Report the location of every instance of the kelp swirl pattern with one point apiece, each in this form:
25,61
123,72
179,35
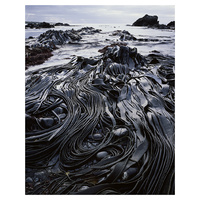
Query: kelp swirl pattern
101,126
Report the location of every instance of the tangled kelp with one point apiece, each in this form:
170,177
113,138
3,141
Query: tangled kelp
101,126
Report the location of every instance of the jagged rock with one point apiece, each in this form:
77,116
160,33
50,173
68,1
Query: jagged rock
154,61
160,26
171,24
51,38
88,30
124,35
147,20
152,22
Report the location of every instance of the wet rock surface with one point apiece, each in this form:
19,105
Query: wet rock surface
39,49
39,25
61,24
147,20
102,125
152,22
124,35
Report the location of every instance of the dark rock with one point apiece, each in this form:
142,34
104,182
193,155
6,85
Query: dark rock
38,25
58,110
124,35
61,24
127,36
29,180
40,175
155,51
147,20
160,26
45,25
101,155
171,24
29,122
97,136
41,49
47,122
152,22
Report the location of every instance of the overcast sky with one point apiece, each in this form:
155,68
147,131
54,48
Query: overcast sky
93,14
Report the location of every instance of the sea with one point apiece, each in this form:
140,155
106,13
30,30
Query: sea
89,45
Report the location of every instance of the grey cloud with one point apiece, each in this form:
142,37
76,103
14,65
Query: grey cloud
96,14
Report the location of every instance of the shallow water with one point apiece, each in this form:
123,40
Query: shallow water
90,44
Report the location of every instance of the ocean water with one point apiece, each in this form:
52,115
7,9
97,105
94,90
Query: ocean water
89,45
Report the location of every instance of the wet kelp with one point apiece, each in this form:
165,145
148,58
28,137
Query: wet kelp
103,125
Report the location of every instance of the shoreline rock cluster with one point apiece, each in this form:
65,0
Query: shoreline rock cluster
38,25
39,49
152,22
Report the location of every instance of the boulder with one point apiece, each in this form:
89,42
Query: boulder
45,25
61,24
147,20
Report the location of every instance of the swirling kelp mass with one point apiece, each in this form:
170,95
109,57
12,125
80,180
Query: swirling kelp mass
101,126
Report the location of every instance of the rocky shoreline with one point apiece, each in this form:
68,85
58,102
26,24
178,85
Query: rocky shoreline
103,124
39,49
152,22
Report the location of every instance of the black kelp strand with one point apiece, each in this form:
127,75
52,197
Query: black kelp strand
101,126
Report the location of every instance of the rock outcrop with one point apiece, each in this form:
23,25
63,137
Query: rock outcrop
88,30
147,20
39,25
152,22
171,24
61,24
124,35
40,48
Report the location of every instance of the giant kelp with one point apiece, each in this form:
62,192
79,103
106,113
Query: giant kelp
103,125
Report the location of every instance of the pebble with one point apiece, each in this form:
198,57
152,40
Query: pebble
129,173
97,136
58,110
29,180
101,155
47,122
40,175
120,132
